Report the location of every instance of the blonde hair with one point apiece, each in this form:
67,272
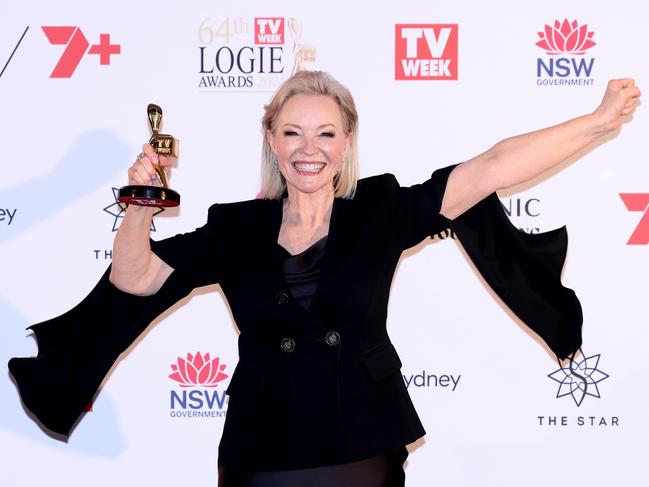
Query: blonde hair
273,184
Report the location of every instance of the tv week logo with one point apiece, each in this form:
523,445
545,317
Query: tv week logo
269,30
638,202
76,46
426,52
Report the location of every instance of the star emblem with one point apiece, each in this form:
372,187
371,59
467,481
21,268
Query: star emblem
117,209
579,379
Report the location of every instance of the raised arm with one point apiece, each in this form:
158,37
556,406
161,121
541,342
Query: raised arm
518,159
135,268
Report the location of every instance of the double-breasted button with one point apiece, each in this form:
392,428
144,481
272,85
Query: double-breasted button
332,338
281,297
288,345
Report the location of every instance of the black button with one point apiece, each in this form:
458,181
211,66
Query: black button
282,297
332,338
288,345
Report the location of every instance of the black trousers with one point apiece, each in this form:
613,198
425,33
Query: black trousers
384,470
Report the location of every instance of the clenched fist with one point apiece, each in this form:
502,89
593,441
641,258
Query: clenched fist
619,101
143,172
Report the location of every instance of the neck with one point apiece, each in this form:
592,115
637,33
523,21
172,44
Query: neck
308,209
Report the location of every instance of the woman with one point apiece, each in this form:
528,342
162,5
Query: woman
317,397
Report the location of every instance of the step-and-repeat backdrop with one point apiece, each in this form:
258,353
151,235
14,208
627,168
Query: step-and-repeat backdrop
435,83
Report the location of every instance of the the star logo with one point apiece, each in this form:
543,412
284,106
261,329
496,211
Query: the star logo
579,379
117,209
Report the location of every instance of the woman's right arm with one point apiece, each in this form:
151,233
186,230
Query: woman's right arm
135,268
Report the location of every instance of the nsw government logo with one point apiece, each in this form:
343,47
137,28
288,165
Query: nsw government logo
565,44
425,51
197,377
255,54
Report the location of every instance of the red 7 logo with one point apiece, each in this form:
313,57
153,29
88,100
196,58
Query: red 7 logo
638,202
77,44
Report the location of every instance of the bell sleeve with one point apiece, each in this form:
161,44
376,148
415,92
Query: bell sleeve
77,349
523,269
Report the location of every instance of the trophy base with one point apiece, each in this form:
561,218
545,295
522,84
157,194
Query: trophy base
148,196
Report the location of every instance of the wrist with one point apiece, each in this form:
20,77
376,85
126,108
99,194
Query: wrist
600,123
137,216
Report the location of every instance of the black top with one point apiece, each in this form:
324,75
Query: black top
302,270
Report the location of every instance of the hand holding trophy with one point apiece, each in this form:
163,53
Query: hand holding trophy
163,144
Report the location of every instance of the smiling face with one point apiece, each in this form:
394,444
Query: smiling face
309,142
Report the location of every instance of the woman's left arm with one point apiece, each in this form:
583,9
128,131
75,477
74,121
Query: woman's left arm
518,159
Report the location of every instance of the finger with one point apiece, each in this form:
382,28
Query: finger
627,110
148,166
165,161
144,176
626,83
138,175
150,153
631,92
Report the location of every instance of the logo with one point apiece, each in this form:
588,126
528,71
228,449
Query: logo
117,209
432,381
198,377
566,38
198,371
269,31
243,54
76,46
426,52
523,208
579,379
444,234
14,51
638,202
565,43
7,215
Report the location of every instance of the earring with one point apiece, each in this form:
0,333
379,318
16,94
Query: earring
343,159
273,158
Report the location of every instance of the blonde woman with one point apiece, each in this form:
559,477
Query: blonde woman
317,397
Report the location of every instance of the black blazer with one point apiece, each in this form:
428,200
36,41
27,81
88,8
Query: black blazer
316,387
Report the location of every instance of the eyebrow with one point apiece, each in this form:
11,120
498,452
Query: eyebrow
319,127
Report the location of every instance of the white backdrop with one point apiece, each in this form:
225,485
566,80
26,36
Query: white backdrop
479,380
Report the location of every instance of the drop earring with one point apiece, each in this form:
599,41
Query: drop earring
273,158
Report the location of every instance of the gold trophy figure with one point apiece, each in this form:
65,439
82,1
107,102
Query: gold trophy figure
158,196
302,54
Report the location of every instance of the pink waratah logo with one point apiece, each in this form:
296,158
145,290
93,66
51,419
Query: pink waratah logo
566,38
198,370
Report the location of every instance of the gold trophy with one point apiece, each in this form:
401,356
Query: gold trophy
158,196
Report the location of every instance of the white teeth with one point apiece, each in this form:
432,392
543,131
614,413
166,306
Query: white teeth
308,166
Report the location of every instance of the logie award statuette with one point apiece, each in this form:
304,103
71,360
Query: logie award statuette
158,196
